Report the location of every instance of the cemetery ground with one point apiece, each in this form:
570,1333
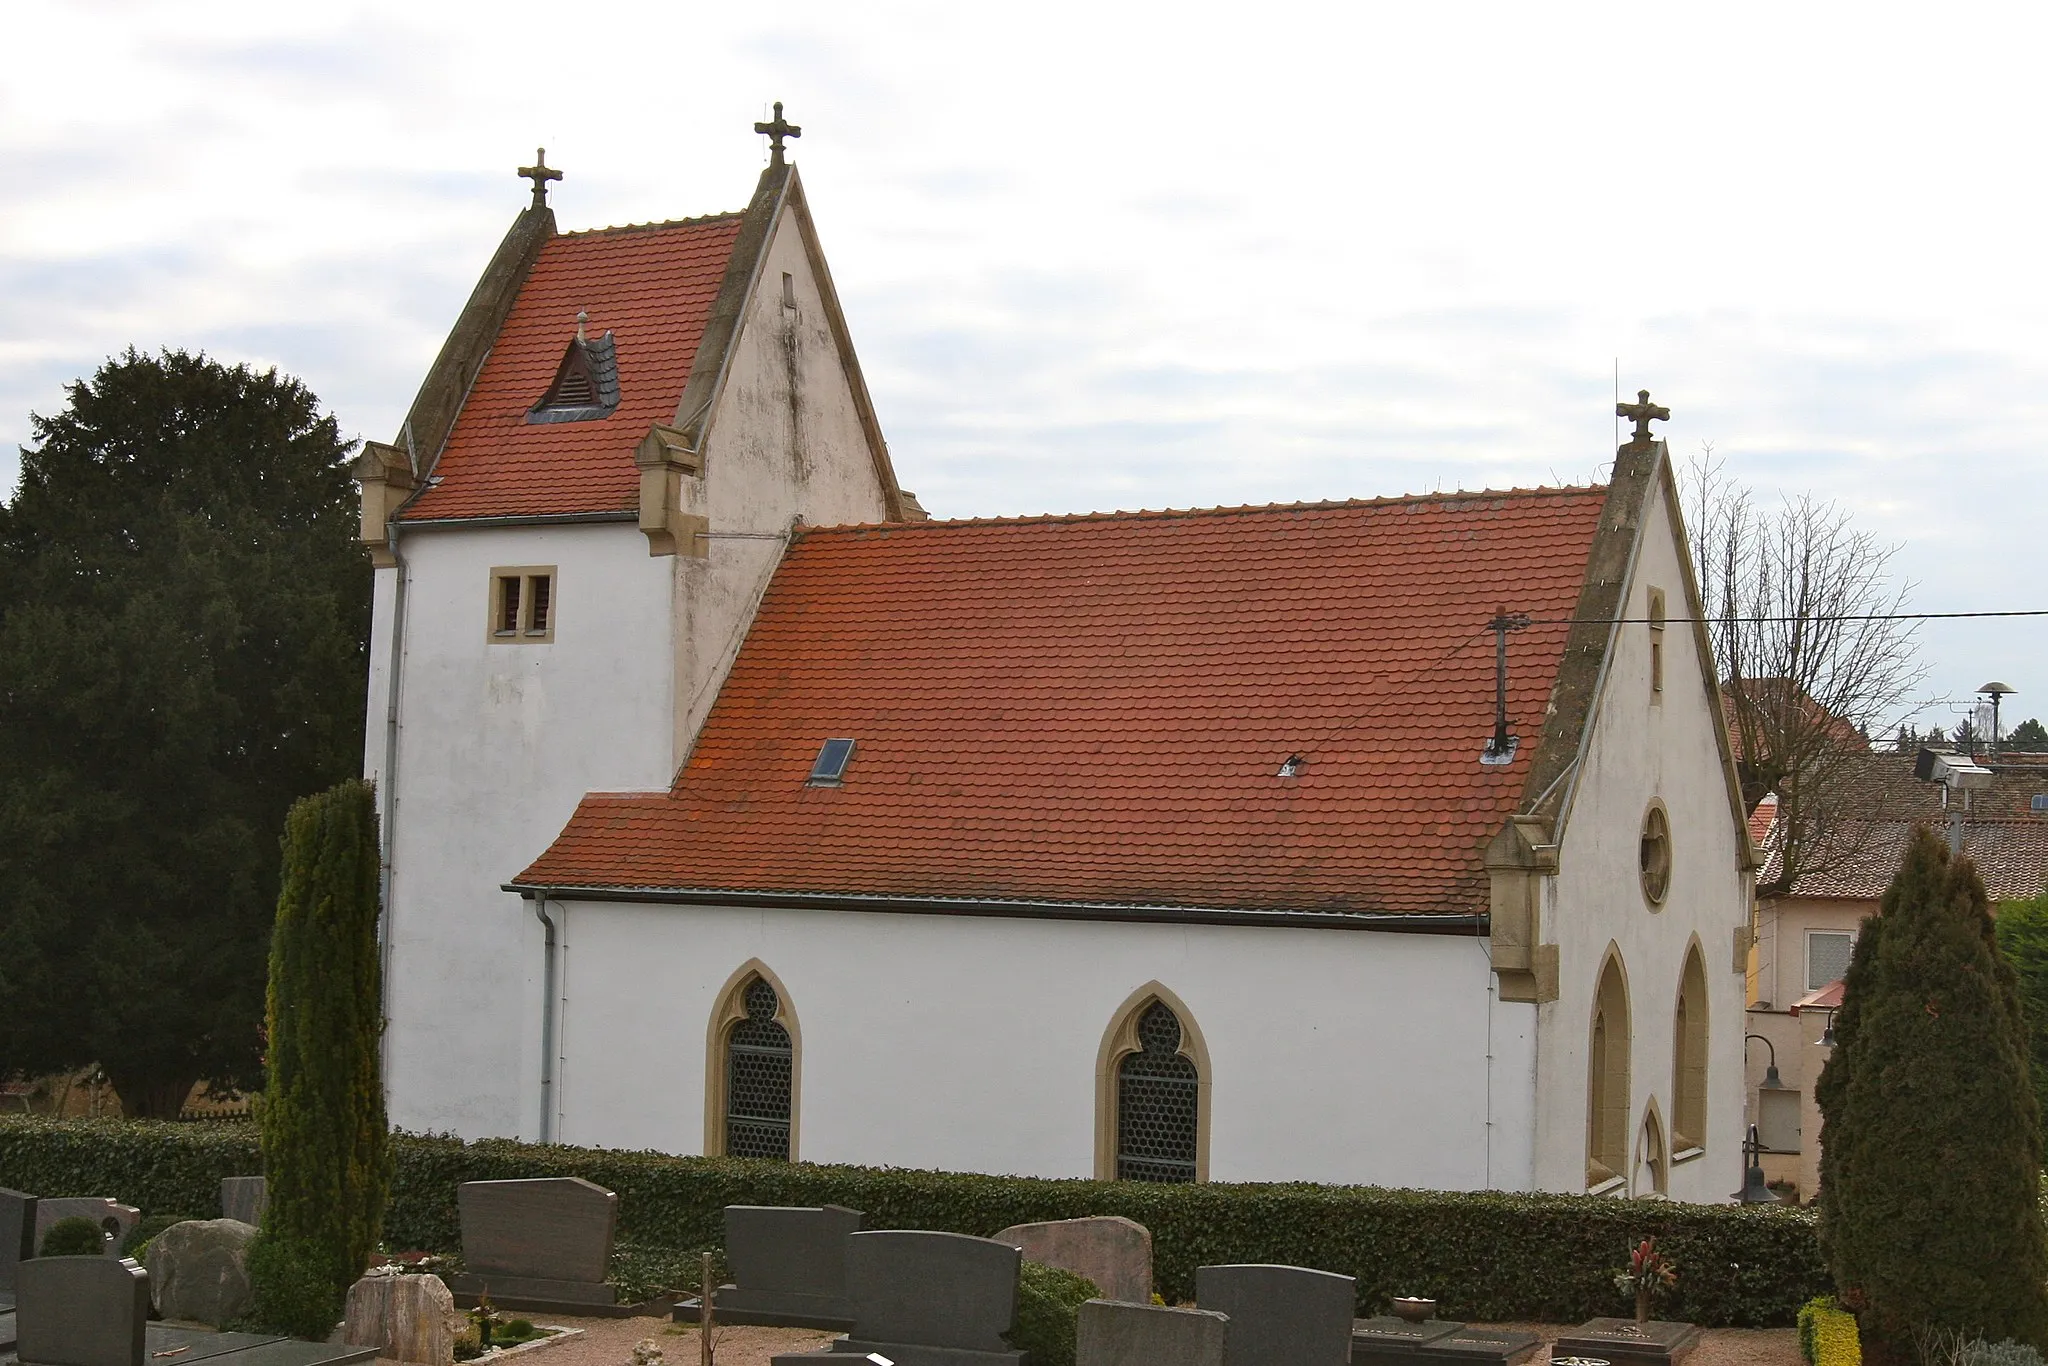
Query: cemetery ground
609,1342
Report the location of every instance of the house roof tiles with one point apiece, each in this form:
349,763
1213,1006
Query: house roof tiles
652,287
1096,709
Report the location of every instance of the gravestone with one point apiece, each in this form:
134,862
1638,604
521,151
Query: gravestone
199,1270
1624,1342
788,1268
412,1319
927,1299
536,1244
1393,1341
1112,1333
17,1238
115,1219
1281,1315
244,1198
81,1311
1113,1252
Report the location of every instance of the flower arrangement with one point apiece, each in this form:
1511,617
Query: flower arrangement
1649,1273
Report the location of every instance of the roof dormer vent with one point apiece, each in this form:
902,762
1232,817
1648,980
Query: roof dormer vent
586,383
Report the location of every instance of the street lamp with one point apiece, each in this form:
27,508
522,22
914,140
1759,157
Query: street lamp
1754,1189
1995,691
1771,1082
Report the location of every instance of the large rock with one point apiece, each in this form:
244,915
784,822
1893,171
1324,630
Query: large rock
199,1270
411,1319
1113,1252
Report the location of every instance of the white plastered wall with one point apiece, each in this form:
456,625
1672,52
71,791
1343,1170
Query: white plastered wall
497,742
970,1043
1644,746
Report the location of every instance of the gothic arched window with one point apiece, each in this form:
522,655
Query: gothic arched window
1158,1100
1689,1057
1607,1080
758,1069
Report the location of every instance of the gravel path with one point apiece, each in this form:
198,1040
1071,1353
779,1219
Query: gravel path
609,1342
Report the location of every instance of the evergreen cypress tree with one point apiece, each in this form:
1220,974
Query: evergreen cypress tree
1931,1158
326,1148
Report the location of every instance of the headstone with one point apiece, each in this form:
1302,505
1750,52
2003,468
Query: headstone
1628,1343
81,1311
927,1299
1395,1342
244,1198
17,1237
115,1219
1113,1252
199,1270
411,1319
1110,1333
788,1268
1281,1315
538,1243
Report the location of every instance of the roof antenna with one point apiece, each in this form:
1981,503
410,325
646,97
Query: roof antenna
1500,750
582,317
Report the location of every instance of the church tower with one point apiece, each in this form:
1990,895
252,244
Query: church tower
598,476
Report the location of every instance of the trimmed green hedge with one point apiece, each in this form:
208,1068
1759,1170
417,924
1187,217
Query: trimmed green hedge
1485,1257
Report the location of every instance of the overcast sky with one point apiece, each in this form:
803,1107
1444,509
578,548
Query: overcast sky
1116,255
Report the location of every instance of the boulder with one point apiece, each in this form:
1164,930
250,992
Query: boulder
410,1319
199,1270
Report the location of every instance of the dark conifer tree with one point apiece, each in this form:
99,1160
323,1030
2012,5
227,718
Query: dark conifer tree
1931,1158
326,1148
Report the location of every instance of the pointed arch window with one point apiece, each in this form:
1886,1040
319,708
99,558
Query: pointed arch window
1153,1093
1653,1164
1689,1058
751,1070
1607,1081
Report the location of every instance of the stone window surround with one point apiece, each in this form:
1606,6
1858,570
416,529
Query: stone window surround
1119,1041
523,634
1608,1078
1656,878
730,1010
1689,1061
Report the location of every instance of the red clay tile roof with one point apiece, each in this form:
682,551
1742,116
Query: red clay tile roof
2011,855
652,287
1095,709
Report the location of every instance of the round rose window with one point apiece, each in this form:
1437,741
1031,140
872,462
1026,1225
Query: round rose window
1656,855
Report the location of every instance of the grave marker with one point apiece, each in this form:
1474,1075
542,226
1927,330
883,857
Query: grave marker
1625,1342
1113,1333
537,1243
1281,1315
788,1268
927,1299
1113,1252
81,1311
115,1219
17,1238
1396,1342
244,1198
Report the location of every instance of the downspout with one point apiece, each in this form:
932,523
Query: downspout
547,1018
387,793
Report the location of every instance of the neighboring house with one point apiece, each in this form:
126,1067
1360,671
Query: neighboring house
1166,846
1805,936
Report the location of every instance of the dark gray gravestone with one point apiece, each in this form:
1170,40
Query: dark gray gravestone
544,1243
1281,1315
243,1198
81,1311
1627,1343
115,1219
927,1299
1110,1333
788,1268
17,1237
1395,1342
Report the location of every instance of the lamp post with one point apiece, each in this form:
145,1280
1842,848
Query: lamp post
1755,1191
1771,1081
1995,691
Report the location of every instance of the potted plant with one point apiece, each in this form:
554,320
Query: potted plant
1649,1272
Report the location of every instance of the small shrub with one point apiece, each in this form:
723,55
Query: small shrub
1049,1303
73,1237
294,1293
2007,1353
1827,1333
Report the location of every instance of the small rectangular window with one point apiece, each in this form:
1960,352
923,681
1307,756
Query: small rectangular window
1656,642
831,764
1827,957
523,604
788,290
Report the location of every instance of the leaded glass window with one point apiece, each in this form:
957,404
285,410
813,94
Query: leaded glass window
757,1075
1157,1093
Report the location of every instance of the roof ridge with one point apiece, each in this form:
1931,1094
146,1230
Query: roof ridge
1223,510
653,226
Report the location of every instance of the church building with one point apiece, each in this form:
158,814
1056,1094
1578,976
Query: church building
733,806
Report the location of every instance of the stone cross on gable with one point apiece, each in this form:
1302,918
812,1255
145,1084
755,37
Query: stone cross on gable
540,173
778,130
1642,412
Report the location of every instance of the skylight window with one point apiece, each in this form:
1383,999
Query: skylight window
831,764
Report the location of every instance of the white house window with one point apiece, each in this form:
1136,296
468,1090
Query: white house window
1827,957
1158,1090
523,604
758,1060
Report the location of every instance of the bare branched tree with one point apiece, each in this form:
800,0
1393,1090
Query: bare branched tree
1796,602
